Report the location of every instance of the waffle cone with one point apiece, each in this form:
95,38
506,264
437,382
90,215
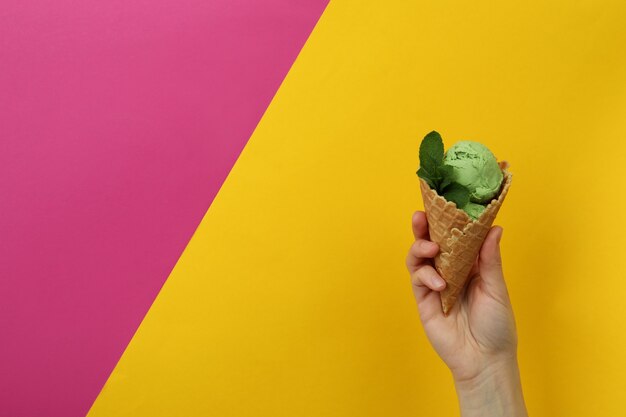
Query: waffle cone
458,236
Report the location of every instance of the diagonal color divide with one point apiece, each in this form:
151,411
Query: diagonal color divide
292,298
119,121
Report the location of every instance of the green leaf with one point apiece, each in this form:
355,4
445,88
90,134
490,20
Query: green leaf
444,183
423,174
447,175
456,193
431,151
432,167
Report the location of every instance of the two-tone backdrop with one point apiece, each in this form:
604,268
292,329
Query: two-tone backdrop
205,206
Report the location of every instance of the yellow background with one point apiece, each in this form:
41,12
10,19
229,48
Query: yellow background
292,298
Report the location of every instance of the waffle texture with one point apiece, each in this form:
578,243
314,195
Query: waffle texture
458,236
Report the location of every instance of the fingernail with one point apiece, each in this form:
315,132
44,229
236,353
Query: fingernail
500,234
428,245
438,283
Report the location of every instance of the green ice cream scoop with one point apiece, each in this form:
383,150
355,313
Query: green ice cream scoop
473,210
475,167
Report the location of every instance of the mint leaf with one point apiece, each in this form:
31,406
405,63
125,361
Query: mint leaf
423,174
431,165
439,177
456,193
431,149
447,175
431,158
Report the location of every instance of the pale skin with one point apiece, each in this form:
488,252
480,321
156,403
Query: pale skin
478,338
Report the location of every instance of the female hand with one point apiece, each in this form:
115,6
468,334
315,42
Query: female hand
478,339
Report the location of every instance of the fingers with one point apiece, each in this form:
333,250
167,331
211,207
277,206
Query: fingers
423,275
420,225
426,284
422,247
421,250
426,276
490,262
425,279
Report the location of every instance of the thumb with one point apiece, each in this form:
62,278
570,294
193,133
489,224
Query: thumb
490,262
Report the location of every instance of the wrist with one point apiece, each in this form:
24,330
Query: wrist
495,392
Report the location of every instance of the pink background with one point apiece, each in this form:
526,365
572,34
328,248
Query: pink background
119,121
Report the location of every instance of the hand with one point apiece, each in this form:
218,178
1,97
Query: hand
478,339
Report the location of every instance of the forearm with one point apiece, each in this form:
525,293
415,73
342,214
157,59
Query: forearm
497,392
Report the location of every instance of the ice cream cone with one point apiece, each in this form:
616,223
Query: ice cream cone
458,236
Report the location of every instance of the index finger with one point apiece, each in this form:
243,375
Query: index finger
420,225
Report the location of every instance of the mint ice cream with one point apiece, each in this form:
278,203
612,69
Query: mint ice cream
462,189
467,175
476,168
473,210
